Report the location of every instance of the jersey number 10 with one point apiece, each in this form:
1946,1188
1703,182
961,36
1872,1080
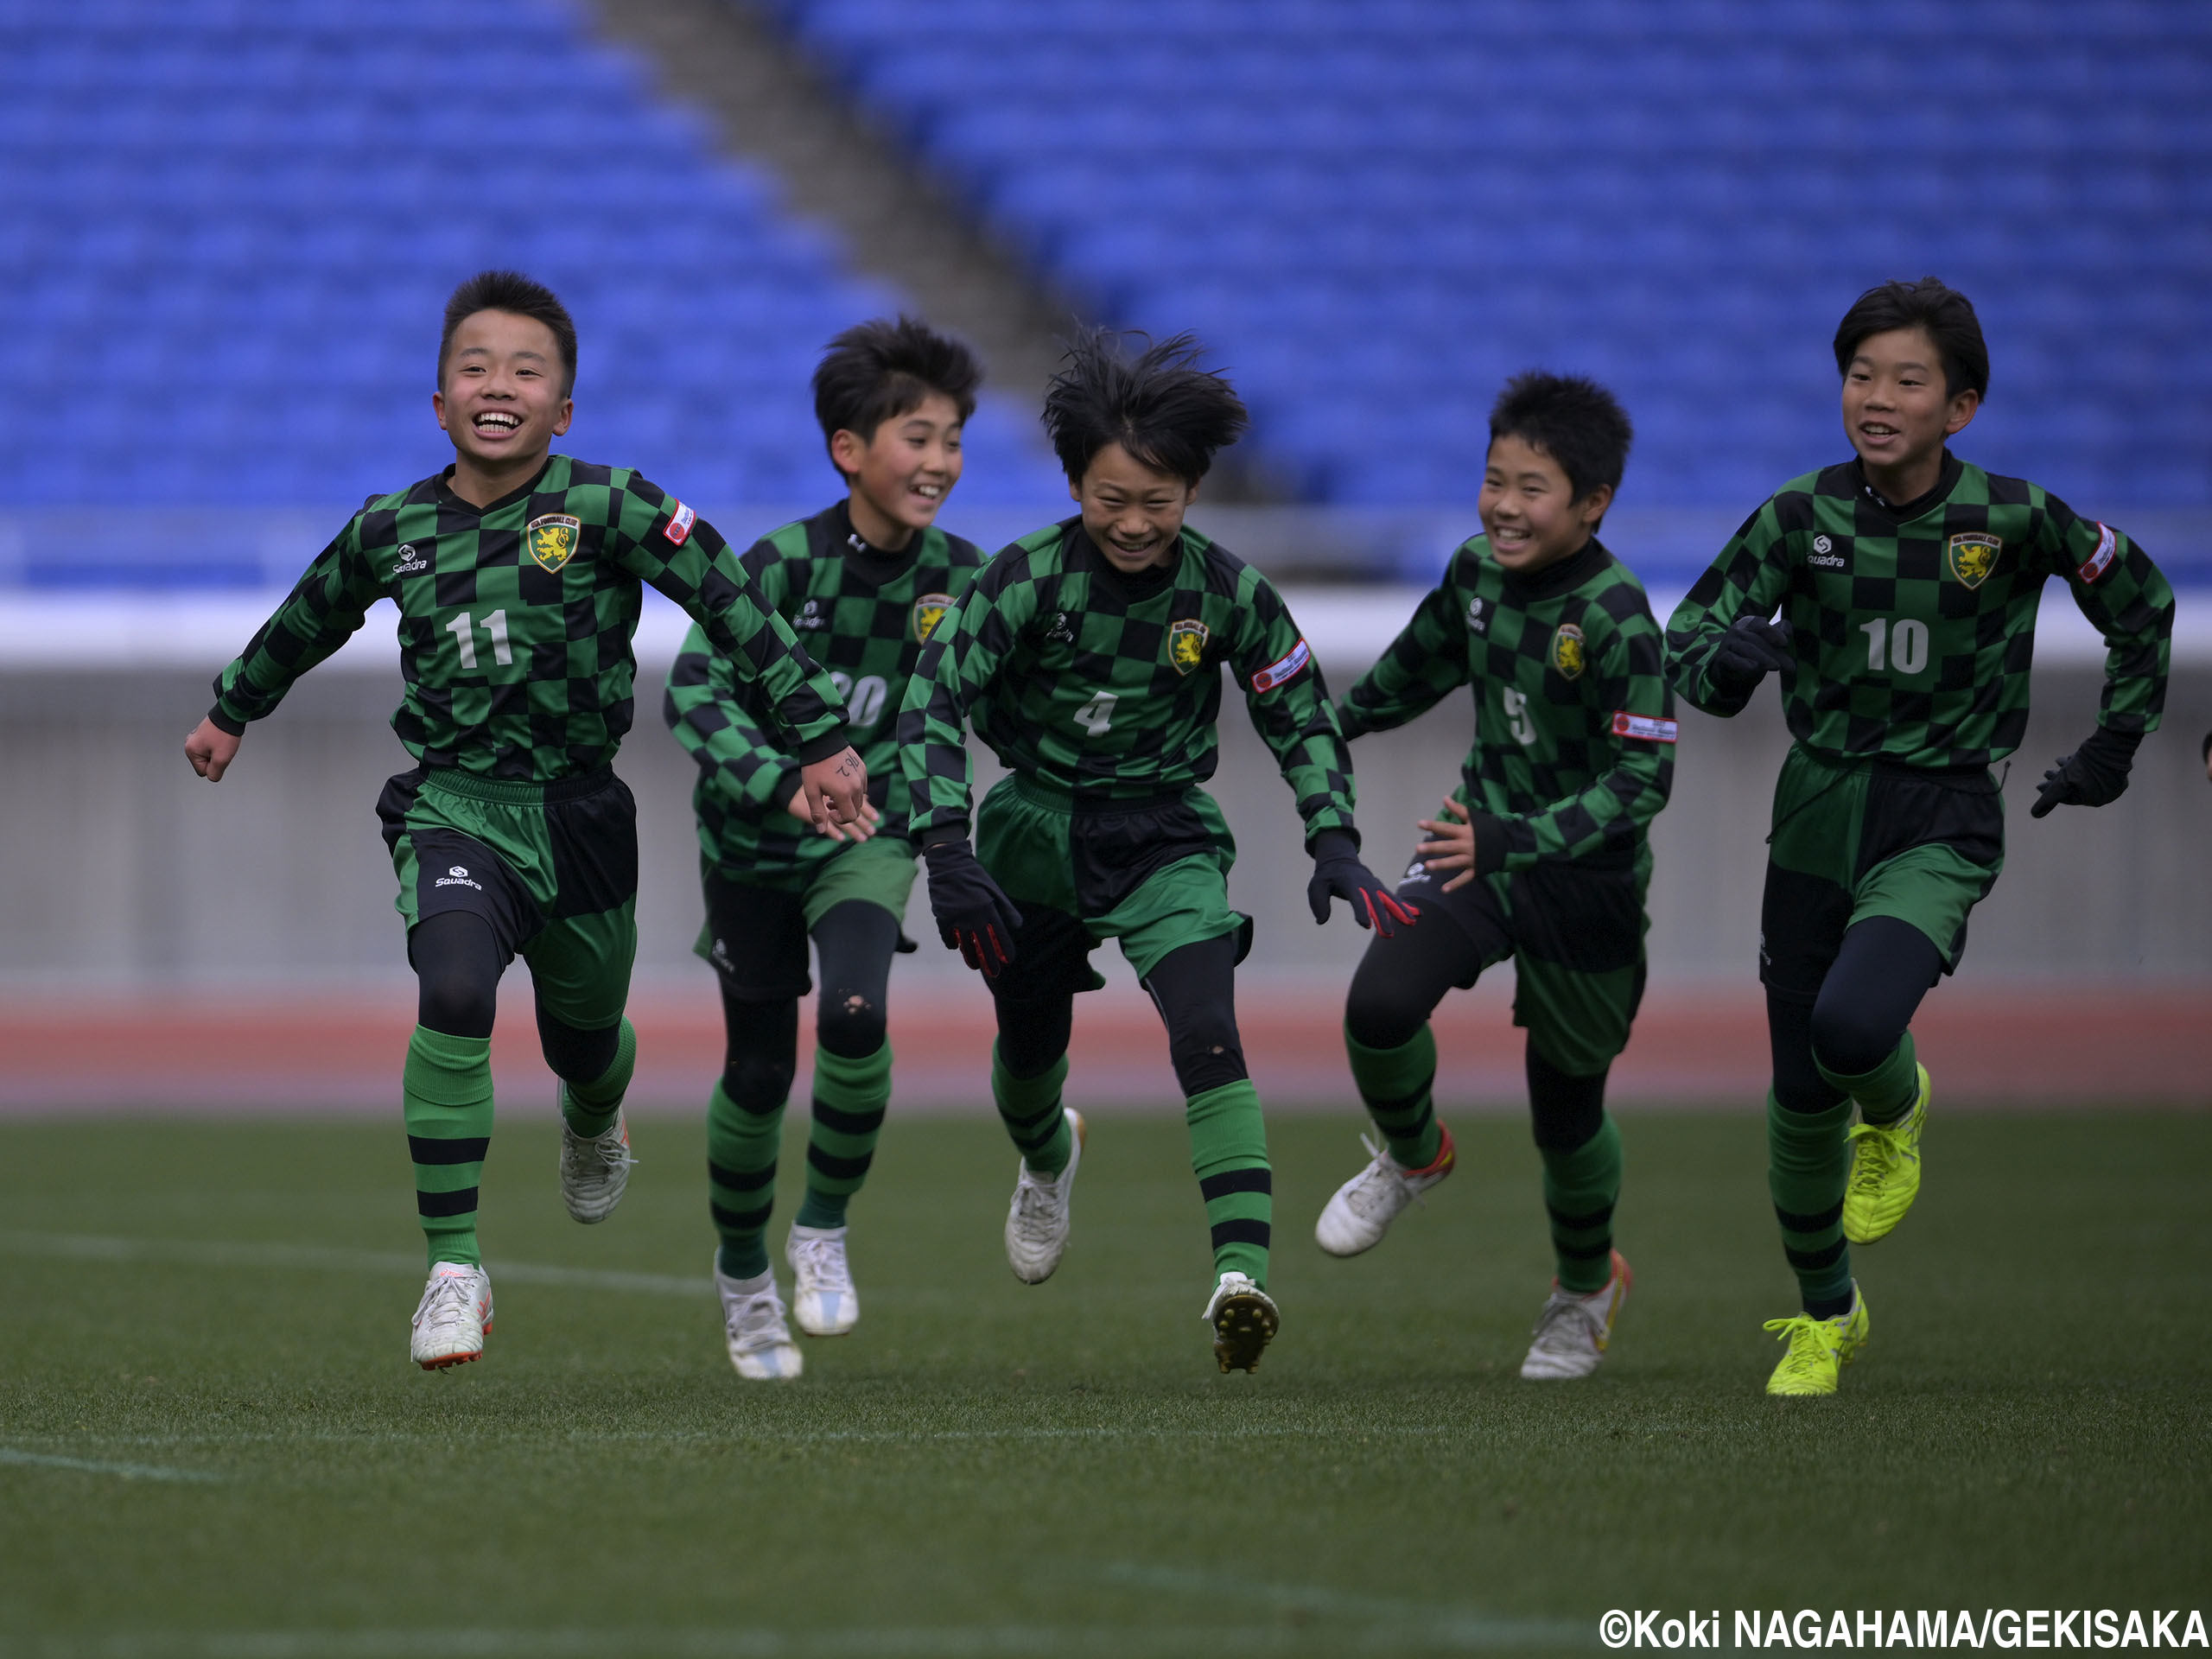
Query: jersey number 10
1905,644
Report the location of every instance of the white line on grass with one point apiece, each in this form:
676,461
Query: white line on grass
12,1457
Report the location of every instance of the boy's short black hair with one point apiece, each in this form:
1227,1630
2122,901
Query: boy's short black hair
1159,405
1571,418
510,290
879,369
1946,314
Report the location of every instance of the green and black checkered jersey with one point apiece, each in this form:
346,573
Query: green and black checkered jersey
515,622
1915,625
1574,725
861,613
1108,686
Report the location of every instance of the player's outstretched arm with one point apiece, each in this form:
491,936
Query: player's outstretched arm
1720,643
211,750
1425,661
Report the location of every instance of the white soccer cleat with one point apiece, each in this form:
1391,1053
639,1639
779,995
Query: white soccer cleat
1574,1328
594,1169
1245,1321
452,1317
823,1299
1036,1221
1362,1210
760,1344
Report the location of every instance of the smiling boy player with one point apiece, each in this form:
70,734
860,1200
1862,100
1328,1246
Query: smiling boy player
1542,854
864,584
1089,656
1908,582
517,573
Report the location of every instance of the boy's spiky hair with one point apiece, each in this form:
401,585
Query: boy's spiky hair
879,369
1946,314
510,290
1159,405
1571,418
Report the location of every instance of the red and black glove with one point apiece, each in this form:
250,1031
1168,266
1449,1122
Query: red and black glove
1337,872
973,917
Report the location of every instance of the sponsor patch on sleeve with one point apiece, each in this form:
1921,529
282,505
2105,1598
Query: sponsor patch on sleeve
2099,561
1277,673
678,528
1650,727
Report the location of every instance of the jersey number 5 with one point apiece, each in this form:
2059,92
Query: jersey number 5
463,629
1517,717
1097,716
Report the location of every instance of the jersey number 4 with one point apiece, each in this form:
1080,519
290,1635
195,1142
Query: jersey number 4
463,629
1097,716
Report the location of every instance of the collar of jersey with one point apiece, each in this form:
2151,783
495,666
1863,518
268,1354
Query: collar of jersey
1553,579
1905,512
1131,590
874,565
447,498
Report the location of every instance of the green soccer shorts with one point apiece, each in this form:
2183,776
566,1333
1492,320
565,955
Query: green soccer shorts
1152,874
1864,838
756,932
552,869
1575,934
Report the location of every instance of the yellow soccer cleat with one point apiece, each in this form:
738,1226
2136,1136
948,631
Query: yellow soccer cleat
1819,1349
1884,1172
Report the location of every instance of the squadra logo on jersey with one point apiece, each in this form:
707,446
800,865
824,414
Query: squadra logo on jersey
1972,555
929,610
1186,645
1566,651
552,539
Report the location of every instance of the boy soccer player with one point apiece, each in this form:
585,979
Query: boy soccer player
1909,580
516,572
866,582
1541,853
1088,656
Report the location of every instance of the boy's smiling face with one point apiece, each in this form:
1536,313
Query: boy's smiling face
899,477
1896,410
503,396
1529,510
1131,513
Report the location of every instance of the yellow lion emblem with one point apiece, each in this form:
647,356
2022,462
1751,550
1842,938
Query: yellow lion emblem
1186,645
552,539
1567,651
1973,557
929,611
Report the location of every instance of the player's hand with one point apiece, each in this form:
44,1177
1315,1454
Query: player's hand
1747,652
973,916
2094,775
2207,757
859,830
211,750
836,789
1338,873
1451,846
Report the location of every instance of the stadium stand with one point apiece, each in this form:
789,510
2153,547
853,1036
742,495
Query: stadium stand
227,228
1376,210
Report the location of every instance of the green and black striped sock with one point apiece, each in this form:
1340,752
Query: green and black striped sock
1229,1155
1580,1189
446,1098
1395,1084
1808,1161
590,1107
1887,1093
1031,1108
850,1098
742,1147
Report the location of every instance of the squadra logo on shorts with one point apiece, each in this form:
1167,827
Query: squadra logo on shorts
457,876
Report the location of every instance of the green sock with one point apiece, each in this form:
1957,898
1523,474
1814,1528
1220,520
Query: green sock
1031,1108
1229,1155
1809,1160
1886,1093
849,1096
1394,1085
446,1097
1581,1188
590,1107
741,1179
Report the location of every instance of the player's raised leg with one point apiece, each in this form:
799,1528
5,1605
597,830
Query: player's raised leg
580,966
1863,1046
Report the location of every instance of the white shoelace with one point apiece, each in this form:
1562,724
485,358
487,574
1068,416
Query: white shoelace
607,1149
1038,1200
823,1260
757,1322
451,1300
1557,1308
1381,1188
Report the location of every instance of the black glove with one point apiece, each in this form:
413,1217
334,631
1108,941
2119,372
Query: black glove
2094,775
1751,647
1337,870
973,917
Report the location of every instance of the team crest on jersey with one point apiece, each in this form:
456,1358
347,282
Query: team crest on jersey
552,539
1971,557
1566,651
929,611
1186,645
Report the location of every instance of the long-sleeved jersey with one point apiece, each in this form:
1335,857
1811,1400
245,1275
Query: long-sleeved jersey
865,615
1109,686
1573,752
516,619
1915,625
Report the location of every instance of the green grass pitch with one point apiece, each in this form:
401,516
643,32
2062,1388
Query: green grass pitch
211,1443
